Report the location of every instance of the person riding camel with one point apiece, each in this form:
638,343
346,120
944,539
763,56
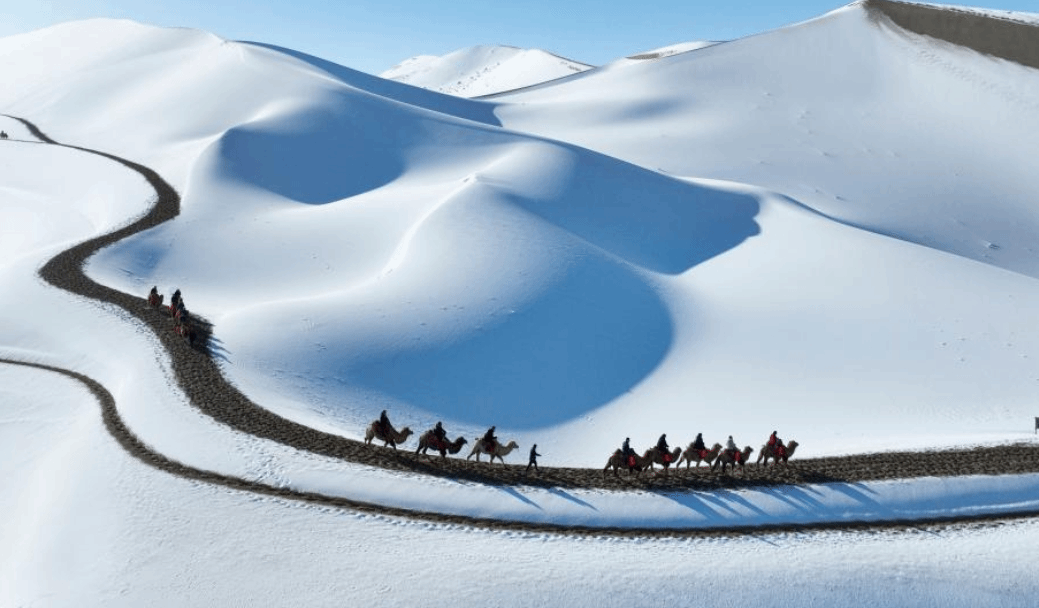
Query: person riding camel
628,453
489,440
772,439
698,444
175,300
384,424
439,433
733,450
663,448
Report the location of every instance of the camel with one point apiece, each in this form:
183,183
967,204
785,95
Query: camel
768,451
498,452
617,461
690,455
429,441
392,438
727,457
657,456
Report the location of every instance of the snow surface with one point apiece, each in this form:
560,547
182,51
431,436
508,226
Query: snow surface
826,230
483,70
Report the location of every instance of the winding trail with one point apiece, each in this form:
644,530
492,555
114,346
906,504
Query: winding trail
198,375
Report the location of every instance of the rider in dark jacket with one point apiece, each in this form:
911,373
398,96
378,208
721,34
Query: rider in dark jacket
489,440
698,442
662,444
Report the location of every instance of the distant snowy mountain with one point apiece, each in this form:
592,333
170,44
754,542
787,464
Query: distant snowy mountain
483,70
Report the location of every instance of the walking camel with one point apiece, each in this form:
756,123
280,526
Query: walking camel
769,451
391,438
429,441
498,451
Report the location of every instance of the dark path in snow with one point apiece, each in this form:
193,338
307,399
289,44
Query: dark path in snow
198,375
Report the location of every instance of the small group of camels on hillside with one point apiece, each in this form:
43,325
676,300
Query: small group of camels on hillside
389,436
182,322
436,440
713,457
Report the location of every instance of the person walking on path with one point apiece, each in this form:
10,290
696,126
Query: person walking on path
533,460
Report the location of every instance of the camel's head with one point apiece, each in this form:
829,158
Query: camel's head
512,445
462,441
406,431
747,451
716,447
791,444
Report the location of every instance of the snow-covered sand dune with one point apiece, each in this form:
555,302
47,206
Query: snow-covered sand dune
483,70
826,229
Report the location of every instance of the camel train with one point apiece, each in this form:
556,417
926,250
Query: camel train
715,456
384,431
183,325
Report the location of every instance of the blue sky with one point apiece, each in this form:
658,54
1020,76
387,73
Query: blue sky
374,35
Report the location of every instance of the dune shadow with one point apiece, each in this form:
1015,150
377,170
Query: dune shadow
653,221
598,329
313,156
581,344
459,107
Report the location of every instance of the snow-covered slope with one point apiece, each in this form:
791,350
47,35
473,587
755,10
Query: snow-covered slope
483,70
826,230
426,261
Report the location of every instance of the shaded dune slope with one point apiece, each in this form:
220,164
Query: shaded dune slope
1003,38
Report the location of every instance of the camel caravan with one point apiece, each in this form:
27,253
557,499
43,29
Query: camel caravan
184,324
727,457
436,439
697,452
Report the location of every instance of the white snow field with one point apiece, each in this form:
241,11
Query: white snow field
827,230
483,70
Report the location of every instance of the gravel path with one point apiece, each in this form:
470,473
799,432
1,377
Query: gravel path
198,375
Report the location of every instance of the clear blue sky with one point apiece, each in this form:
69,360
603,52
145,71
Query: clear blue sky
374,35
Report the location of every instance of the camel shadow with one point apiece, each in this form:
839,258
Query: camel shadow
511,491
570,497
